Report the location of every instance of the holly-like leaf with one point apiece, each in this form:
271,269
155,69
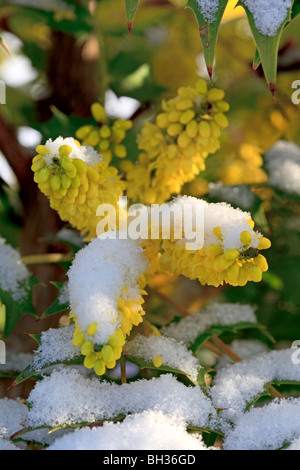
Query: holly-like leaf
295,9
267,47
56,307
208,31
130,9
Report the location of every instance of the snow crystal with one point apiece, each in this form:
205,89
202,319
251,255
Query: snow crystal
13,272
7,445
232,222
16,362
189,328
283,165
12,417
173,353
97,278
66,397
56,346
239,384
239,195
86,154
245,349
269,15
151,430
208,9
266,428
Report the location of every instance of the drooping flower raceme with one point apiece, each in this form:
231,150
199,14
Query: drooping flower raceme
77,180
230,251
106,286
175,147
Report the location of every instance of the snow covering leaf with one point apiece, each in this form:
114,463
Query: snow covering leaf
267,46
209,29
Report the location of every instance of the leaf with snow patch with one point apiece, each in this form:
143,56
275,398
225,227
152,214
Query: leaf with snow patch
51,429
267,46
209,30
56,307
130,9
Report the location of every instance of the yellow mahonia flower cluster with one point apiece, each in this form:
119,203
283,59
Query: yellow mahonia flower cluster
107,136
102,357
175,147
76,180
230,252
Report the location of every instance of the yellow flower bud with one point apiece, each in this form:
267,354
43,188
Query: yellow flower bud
204,129
174,129
98,112
64,150
214,94
55,182
246,238
120,151
201,86
157,361
99,367
90,360
91,330
183,104
221,120
87,348
187,116
263,244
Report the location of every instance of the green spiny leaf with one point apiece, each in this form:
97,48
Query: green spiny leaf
267,47
130,8
208,31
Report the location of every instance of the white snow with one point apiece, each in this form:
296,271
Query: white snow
66,397
56,346
208,9
239,384
269,15
267,428
151,430
7,445
16,362
13,272
231,221
96,278
239,195
189,328
283,165
86,154
12,416
173,353
245,349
